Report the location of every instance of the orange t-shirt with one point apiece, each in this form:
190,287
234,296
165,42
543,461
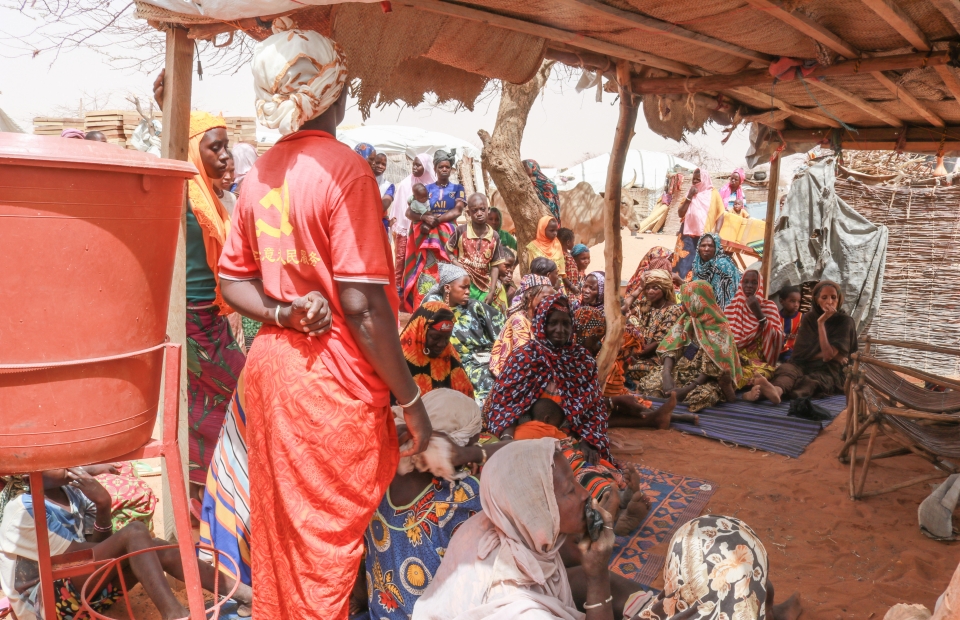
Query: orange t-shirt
309,215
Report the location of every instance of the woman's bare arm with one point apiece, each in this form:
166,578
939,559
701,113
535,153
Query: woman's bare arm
373,325
309,314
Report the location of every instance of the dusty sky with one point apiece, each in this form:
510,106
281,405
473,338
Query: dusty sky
564,126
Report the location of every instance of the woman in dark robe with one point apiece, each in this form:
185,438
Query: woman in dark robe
826,339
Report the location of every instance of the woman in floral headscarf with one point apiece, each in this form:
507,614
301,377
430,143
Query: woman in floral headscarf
714,266
434,363
718,566
654,314
657,258
546,189
699,355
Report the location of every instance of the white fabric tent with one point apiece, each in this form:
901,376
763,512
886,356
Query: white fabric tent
646,169
8,124
410,141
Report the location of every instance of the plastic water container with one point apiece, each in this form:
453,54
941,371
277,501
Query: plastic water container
88,237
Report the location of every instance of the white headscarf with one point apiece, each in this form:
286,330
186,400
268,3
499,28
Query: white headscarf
505,561
244,156
313,60
452,414
398,210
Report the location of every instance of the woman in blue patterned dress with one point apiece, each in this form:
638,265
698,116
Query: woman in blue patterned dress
425,504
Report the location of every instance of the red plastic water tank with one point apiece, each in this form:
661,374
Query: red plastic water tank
88,237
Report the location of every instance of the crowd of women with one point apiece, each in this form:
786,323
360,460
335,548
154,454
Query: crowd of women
488,489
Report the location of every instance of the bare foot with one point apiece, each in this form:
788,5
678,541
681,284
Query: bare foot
790,609
685,418
768,390
727,387
752,395
631,518
661,415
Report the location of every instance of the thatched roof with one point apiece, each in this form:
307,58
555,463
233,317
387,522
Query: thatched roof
883,63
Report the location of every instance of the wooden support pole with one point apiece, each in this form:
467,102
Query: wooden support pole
808,114
613,245
918,140
767,265
177,87
859,102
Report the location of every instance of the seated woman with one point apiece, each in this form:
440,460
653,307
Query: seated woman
712,265
699,357
433,361
717,568
826,339
625,409
512,560
657,258
757,331
591,294
653,314
427,502
533,289
552,360
475,327
78,519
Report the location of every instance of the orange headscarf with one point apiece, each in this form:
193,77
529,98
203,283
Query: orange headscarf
207,208
551,249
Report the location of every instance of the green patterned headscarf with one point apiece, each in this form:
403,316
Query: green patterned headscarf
703,318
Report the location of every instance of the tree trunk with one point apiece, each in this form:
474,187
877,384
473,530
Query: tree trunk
501,158
613,245
466,176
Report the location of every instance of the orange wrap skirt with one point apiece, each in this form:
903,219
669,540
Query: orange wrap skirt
320,461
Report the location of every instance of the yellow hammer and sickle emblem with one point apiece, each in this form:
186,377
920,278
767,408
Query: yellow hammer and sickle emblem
279,199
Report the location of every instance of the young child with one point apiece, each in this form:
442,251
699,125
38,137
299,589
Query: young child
506,274
78,518
571,275
419,201
739,210
476,247
791,315
617,493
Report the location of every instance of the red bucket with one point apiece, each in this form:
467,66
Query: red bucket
88,238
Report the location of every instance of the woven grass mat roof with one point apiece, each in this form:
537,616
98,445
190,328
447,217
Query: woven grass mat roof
453,49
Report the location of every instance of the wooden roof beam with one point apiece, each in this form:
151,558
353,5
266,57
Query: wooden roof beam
807,26
550,33
754,77
864,105
899,21
950,10
667,29
909,30
786,107
918,139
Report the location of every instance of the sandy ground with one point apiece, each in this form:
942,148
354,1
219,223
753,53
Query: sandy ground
847,559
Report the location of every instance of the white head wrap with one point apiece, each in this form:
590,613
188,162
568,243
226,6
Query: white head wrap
297,76
451,414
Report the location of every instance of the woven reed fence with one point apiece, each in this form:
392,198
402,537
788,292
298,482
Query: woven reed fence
921,284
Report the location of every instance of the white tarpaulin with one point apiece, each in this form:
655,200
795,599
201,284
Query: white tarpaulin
8,124
230,10
410,141
821,237
645,168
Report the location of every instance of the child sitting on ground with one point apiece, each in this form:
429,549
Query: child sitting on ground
506,273
79,518
791,315
628,505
